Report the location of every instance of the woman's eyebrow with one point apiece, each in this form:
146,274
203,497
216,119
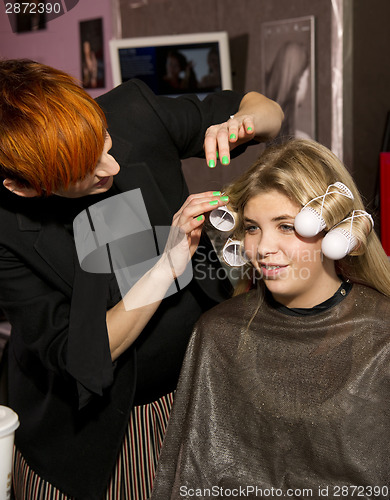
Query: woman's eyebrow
278,218
247,219
283,217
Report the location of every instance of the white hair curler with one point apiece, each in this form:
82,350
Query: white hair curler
233,253
339,241
309,222
223,219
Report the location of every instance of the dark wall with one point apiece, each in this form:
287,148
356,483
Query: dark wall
242,20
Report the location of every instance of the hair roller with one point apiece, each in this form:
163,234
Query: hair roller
233,253
223,219
324,211
349,236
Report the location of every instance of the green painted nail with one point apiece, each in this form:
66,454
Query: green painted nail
249,129
216,193
225,160
217,154
211,163
214,202
232,136
200,217
224,198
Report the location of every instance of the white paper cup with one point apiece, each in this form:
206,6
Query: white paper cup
9,422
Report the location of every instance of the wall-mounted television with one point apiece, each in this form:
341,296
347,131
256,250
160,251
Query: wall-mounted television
174,64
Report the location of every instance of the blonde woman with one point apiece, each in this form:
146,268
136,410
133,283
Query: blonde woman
285,387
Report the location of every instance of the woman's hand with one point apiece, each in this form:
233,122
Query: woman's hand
186,229
257,118
224,137
127,319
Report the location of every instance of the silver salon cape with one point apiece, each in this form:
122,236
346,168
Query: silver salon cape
291,404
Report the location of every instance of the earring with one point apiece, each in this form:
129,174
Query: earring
233,253
339,242
309,222
223,219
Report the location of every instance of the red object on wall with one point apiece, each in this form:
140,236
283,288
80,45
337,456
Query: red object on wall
385,200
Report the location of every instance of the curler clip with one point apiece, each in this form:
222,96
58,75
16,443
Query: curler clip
233,253
223,219
343,189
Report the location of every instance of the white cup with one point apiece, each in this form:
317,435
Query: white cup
9,422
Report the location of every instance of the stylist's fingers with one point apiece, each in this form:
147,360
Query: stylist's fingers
241,129
186,228
192,214
222,138
247,128
217,140
233,130
197,198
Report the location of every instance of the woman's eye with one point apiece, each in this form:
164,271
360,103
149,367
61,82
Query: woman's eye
251,229
287,228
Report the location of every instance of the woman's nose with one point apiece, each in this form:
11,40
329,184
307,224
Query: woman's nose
266,245
107,166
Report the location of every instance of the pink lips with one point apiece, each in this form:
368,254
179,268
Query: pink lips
103,182
271,270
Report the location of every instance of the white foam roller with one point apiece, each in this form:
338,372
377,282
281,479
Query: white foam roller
308,222
338,243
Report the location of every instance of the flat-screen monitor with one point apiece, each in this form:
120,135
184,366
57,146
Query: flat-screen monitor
176,64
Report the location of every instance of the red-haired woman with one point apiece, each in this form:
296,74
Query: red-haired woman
90,378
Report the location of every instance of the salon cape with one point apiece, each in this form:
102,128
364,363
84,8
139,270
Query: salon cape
292,403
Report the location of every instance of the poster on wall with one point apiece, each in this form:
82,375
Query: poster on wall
92,54
288,73
29,16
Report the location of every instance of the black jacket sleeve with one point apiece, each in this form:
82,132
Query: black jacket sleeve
185,118
57,333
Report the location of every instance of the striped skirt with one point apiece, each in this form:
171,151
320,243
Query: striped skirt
136,464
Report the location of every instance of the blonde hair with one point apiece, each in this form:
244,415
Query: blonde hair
303,170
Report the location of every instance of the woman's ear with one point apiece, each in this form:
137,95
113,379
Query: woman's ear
19,189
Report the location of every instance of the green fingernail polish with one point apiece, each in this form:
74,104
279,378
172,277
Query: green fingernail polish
224,198
249,129
232,136
214,202
200,217
216,193
211,163
217,155
225,160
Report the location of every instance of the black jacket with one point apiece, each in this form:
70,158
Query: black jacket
73,402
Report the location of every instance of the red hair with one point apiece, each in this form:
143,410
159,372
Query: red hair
51,131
